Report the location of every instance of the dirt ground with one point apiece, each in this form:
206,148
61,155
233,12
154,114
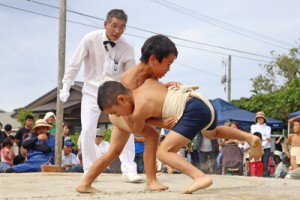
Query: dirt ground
61,186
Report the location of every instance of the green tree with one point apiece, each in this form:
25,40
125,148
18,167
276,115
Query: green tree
277,91
21,114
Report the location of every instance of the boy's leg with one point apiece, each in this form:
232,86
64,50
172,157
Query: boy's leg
226,132
167,153
118,140
151,140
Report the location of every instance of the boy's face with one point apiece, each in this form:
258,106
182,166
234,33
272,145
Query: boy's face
28,123
160,69
123,108
296,127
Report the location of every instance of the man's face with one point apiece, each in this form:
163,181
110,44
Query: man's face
41,130
67,150
114,28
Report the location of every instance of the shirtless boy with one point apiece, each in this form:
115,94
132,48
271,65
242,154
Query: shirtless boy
133,108
294,140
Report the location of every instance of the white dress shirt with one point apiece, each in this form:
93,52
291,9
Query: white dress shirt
265,133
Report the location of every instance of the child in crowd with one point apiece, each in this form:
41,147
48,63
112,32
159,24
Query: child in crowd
294,141
256,166
6,159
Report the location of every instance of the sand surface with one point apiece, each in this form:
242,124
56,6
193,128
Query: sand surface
61,186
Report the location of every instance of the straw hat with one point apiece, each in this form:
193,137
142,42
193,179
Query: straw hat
260,114
40,123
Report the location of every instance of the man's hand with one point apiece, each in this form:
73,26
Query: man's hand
42,137
174,84
64,93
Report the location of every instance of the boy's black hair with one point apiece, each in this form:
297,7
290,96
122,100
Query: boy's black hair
160,46
6,142
258,134
7,127
29,117
108,93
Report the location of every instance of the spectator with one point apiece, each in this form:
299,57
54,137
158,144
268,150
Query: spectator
5,155
7,132
294,140
194,151
278,150
21,157
256,166
101,146
40,147
70,162
22,133
261,127
139,151
50,119
208,151
283,167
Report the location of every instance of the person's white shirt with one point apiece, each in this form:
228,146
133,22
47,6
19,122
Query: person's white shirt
69,159
265,133
102,148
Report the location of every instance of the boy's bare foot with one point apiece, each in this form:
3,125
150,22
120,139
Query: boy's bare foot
86,189
199,183
156,186
256,150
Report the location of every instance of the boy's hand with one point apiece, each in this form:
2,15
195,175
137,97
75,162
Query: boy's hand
174,84
169,122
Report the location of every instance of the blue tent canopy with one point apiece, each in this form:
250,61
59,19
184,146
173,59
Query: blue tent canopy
294,114
229,112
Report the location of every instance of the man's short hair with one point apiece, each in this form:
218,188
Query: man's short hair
117,13
29,117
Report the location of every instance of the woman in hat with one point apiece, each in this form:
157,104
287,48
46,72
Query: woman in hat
40,147
265,130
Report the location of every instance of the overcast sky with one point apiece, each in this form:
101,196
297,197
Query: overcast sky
205,33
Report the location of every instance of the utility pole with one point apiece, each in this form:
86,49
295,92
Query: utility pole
229,79
61,71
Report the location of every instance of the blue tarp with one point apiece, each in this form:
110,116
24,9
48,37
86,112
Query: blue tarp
229,112
294,114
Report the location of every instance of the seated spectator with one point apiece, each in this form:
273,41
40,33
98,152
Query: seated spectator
69,162
21,157
5,155
283,167
40,147
102,146
6,133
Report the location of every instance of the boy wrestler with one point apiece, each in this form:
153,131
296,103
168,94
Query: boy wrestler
133,108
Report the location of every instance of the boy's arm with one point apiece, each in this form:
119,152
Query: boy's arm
167,123
286,146
293,119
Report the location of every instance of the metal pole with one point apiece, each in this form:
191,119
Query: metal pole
61,70
229,79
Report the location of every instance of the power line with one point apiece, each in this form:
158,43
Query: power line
144,30
221,24
133,35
